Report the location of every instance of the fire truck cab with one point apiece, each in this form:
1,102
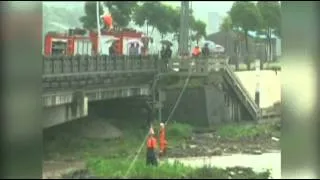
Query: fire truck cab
72,43
79,42
122,41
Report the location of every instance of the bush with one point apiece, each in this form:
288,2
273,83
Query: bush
179,130
235,132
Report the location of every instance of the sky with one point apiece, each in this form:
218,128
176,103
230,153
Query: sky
201,8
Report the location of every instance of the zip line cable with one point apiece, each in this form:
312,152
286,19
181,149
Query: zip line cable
169,118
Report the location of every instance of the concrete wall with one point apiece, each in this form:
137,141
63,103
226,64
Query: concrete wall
192,107
56,115
215,104
203,106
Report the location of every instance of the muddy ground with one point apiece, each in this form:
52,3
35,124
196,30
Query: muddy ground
210,144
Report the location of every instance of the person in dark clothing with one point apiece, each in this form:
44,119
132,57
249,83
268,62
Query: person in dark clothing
205,50
163,58
131,50
166,54
112,49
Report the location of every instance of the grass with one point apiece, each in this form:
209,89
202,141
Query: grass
247,131
117,168
70,145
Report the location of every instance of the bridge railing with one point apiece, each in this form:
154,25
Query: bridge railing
103,63
198,64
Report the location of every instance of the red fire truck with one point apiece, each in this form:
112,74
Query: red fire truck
71,43
77,42
121,39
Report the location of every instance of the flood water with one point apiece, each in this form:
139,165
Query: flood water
258,163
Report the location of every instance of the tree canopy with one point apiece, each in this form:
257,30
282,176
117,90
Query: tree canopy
157,15
226,24
271,16
89,20
245,16
199,29
121,12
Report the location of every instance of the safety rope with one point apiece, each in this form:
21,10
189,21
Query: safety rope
169,118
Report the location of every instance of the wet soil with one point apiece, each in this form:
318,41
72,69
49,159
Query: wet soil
209,144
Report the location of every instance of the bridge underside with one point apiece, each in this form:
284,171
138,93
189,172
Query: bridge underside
62,108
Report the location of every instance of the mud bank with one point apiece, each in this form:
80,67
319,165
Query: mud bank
210,144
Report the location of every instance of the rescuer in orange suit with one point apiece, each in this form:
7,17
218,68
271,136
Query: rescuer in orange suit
196,51
151,147
163,140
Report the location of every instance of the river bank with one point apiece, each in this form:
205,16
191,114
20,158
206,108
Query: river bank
69,149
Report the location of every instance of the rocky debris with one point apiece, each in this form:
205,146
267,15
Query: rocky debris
217,151
208,144
205,135
80,174
55,169
257,152
275,139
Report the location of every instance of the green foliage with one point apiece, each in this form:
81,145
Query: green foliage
121,12
117,168
89,20
245,15
226,24
179,130
271,14
237,132
199,27
157,15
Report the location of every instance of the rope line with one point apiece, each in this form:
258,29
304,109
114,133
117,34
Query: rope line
169,118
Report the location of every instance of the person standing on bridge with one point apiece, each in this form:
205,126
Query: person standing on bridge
196,52
162,140
151,158
205,50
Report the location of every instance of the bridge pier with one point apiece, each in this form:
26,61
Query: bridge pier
63,113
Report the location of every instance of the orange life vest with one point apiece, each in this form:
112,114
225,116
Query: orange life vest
151,142
196,51
162,137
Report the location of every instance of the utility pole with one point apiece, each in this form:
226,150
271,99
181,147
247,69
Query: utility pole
98,27
184,28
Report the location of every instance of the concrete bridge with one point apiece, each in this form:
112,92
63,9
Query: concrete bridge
69,83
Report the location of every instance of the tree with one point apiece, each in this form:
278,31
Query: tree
245,16
89,20
199,28
175,24
226,26
271,20
121,12
156,15
146,13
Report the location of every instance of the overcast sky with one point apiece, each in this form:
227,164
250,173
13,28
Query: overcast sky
201,8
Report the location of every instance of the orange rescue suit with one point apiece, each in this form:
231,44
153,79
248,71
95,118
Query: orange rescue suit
163,141
196,51
152,143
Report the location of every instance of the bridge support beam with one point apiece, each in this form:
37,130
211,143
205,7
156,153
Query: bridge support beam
60,114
